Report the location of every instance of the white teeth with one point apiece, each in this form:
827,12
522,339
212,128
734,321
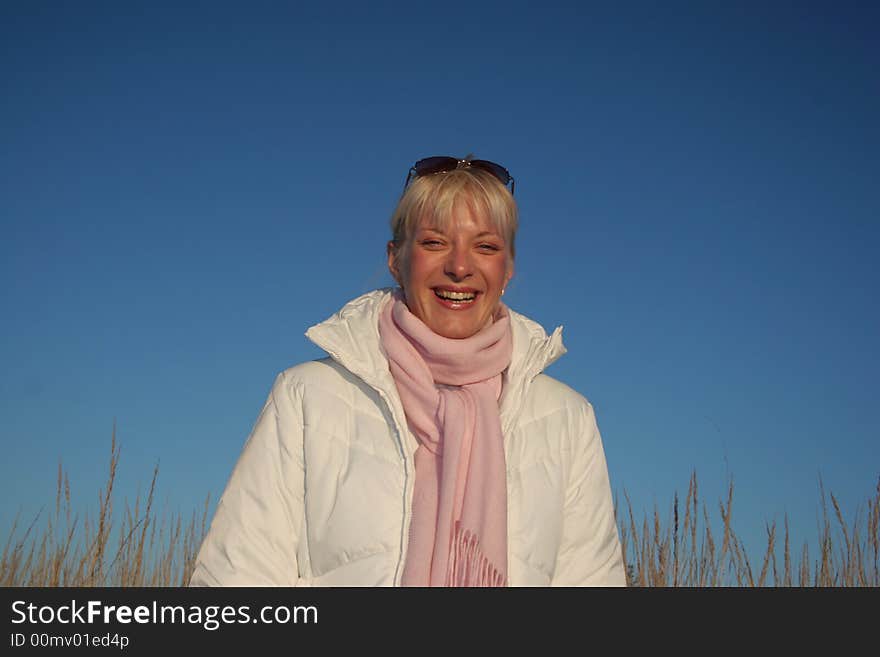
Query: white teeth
455,296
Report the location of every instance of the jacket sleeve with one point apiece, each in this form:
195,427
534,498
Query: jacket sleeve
589,552
255,532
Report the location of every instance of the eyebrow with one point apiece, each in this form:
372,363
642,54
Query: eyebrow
485,233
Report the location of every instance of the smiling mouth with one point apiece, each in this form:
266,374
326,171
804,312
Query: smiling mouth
455,297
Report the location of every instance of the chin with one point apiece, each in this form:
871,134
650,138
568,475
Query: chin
456,332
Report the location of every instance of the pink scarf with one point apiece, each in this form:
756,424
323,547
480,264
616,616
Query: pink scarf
458,534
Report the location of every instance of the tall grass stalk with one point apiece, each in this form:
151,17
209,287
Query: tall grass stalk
131,548
659,554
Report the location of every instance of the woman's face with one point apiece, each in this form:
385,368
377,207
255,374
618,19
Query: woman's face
453,279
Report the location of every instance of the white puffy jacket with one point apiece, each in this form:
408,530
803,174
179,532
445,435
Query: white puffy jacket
321,494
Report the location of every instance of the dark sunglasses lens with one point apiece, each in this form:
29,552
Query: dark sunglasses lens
495,169
442,163
437,164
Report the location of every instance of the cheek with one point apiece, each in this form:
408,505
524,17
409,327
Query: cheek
402,264
416,269
500,276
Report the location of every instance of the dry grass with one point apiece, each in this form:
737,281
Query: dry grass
131,548
134,548
687,554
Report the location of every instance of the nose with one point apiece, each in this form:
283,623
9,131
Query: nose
459,264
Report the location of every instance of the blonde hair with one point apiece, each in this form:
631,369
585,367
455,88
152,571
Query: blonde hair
432,199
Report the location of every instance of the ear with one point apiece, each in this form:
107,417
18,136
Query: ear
393,267
509,274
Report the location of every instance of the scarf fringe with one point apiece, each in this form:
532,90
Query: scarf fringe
468,566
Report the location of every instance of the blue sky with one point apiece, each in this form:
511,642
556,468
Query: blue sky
186,188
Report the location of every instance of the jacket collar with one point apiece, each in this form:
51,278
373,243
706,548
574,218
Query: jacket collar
351,337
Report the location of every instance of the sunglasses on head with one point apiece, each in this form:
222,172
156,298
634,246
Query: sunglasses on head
443,164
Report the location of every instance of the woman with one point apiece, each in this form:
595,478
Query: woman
428,449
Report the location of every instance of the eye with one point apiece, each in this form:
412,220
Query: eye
489,246
431,243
